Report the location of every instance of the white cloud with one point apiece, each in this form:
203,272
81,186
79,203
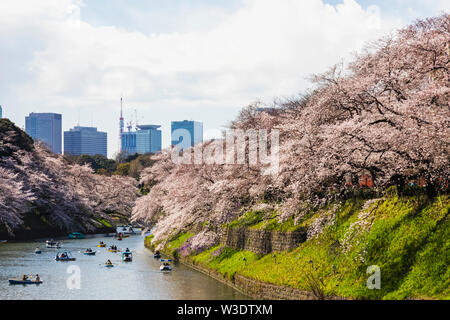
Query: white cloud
263,50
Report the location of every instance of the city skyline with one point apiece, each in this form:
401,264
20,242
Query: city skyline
80,140
198,60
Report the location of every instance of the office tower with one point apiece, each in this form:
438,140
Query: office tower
146,139
128,142
1,112
193,129
46,127
85,140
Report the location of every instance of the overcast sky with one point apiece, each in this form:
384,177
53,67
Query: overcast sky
177,59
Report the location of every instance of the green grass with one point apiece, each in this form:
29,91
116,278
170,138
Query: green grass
105,223
178,241
227,261
250,218
409,239
148,240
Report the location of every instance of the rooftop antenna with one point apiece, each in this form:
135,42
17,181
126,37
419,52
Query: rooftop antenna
135,116
121,124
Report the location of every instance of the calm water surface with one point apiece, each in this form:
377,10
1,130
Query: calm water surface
138,280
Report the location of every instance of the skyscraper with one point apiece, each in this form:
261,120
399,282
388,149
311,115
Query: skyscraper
46,127
146,139
1,112
192,130
85,140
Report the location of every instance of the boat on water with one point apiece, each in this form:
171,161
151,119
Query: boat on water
165,265
20,281
37,251
76,235
64,256
114,249
126,230
127,256
53,244
101,244
157,255
89,252
108,264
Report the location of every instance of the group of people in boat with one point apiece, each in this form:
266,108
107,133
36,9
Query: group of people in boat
88,250
113,247
25,278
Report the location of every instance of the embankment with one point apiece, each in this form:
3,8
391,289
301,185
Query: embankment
328,253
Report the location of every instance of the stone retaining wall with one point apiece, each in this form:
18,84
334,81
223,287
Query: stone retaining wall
253,288
262,241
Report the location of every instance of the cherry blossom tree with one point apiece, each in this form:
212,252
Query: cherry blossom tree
385,116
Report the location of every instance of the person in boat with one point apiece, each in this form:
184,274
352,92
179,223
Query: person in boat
127,250
24,277
38,279
101,242
108,262
63,255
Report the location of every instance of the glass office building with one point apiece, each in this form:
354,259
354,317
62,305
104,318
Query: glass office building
85,140
46,127
192,130
146,139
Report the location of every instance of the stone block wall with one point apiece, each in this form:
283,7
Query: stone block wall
262,241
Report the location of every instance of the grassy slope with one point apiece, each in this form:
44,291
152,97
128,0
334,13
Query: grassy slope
409,240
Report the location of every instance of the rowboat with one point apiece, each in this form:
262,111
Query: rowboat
89,253
37,251
127,256
157,255
52,244
126,230
101,245
67,257
20,281
165,265
76,235
109,266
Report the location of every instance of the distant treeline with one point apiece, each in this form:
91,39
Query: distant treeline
124,164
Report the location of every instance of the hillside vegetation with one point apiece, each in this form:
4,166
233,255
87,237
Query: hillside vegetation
378,124
42,193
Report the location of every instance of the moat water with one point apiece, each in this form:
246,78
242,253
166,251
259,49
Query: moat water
140,279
